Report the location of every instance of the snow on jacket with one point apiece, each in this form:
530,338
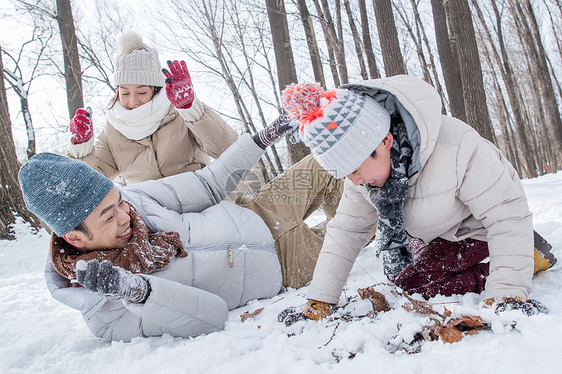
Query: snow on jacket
231,259
465,189
182,143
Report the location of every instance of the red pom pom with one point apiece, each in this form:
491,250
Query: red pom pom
300,99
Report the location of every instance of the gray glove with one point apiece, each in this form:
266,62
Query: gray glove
274,131
530,307
111,281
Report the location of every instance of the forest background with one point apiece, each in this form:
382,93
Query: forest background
496,64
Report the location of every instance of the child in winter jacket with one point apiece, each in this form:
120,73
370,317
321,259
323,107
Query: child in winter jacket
449,210
171,256
150,134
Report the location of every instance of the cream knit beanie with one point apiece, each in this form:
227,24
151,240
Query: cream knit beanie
136,63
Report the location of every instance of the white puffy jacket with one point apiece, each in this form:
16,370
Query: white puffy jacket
466,189
231,259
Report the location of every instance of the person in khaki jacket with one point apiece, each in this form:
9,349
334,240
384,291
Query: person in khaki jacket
449,210
150,134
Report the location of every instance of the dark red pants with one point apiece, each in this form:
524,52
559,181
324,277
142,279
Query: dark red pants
445,268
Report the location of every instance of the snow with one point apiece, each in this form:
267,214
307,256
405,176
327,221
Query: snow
40,335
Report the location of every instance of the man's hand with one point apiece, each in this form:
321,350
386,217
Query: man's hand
530,307
179,88
81,126
111,281
275,131
313,310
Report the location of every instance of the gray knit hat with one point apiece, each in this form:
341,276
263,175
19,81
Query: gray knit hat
136,63
61,191
341,127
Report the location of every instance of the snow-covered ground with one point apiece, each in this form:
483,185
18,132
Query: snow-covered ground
40,335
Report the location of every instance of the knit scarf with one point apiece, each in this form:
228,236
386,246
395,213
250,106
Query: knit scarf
144,253
138,123
391,240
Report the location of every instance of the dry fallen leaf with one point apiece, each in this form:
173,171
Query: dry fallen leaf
453,330
247,315
449,334
472,321
380,304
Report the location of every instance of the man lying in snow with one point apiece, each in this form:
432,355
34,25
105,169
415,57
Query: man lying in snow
442,198
171,256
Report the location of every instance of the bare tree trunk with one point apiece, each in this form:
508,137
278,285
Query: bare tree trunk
367,43
421,28
449,65
505,124
285,63
388,37
204,21
311,42
10,193
554,78
335,42
555,33
329,43
250,82
510,83
340,50
356,40
504,118
470,70
553,113
281,42
542,85
416,38
73,73
245,119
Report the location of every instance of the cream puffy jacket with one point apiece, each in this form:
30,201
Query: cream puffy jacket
465,189
183,142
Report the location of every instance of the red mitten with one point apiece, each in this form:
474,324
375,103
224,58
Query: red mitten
179,88
81,126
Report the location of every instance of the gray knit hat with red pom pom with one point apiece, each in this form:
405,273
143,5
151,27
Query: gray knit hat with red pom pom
341,127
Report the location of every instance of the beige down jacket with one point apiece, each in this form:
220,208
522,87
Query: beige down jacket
466,189
182,143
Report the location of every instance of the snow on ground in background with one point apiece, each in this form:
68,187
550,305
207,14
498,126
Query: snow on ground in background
40,335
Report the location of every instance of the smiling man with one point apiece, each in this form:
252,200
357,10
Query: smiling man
171,256
450,213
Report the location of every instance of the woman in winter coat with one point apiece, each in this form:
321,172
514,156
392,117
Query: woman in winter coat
150,134
450,213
